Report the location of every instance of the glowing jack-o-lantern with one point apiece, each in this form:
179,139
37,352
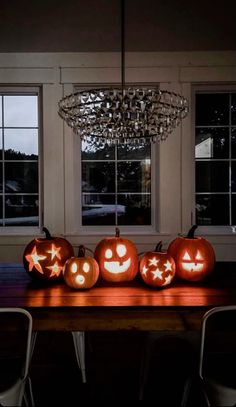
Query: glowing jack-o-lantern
157,268
194,256
117,258
81,272
44,258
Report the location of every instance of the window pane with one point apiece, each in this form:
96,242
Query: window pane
21,210
212,109
233,109
21,144
212,143
133,176
1,214
212,176
137,152
99,209
212,209
21,177
233,209
233,176
1,178
137,209
233,142
0,111
98,177
20,111
91,151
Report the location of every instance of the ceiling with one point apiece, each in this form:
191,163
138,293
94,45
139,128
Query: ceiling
94,25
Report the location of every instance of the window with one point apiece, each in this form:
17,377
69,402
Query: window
19,163
116,185
215,158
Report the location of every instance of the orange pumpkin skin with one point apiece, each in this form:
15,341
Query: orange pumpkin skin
194,256
44,258
81,272
157,268
117,258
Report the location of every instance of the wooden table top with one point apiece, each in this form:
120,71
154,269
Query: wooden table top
107,306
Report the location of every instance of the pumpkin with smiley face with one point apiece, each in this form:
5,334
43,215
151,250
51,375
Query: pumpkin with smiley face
81,272
194,256
117,258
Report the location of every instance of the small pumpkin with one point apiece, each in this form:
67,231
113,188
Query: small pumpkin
44,258
117,258
81,272
157,268
194,256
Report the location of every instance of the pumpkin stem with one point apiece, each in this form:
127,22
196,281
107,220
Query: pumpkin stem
158,246
81,251
47,233
191,232
117,232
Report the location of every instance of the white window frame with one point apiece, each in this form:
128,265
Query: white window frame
28,90
208,88
75,148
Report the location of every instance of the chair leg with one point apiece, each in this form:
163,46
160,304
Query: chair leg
79,343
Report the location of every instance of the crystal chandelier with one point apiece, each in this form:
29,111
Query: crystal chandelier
125,114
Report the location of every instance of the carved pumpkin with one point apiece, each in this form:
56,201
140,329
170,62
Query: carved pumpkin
44,258
157,268
81,272
194,256
117,258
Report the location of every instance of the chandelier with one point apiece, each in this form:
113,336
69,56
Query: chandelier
125,114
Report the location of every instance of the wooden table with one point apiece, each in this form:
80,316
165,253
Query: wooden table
126,306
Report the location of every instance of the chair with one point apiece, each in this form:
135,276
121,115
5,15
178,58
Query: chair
15,353
168,362
218,356
79,343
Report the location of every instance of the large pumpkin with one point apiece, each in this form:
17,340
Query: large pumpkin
194,256
157,268
81,272
117,258
44,258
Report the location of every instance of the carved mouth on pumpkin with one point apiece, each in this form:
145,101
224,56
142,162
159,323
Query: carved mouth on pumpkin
114,267
80,279
192,267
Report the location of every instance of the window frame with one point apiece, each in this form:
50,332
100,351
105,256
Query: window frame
207,88
28,90
77,228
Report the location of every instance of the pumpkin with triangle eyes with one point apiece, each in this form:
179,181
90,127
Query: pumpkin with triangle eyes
81,272
194,256
117,258
157,268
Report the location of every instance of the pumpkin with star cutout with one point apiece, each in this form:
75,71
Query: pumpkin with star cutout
81,272
117,258
45,257
157,268
194,256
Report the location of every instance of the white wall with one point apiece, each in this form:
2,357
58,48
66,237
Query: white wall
56,73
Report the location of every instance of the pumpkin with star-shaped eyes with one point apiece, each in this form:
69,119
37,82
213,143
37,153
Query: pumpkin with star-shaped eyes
117,258
81,272
194,256
44,258
157,268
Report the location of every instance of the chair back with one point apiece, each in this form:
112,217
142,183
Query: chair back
218,355
15,345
